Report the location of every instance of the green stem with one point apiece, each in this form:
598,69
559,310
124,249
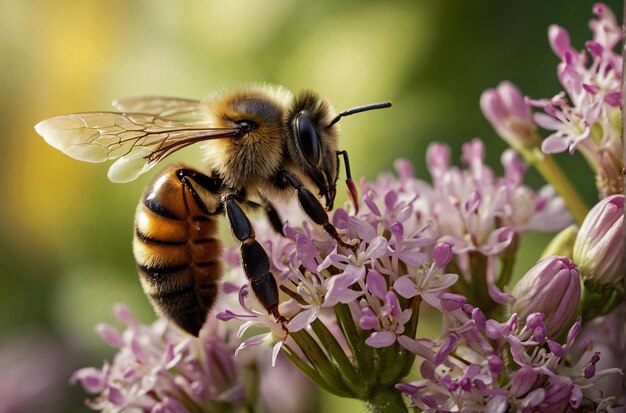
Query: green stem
614,298
598,301
386,399
507,259
388,373
319,360
363,354
348,328
339,357
310,372
406,356
554,175
480,290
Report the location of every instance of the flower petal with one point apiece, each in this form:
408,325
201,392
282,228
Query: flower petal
421,348
554,144
253,341
405,287
376,284
368,320
303,319
275,351
381,339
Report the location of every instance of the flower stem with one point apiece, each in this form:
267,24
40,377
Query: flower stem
480,289
339,357
407,358
386,399
598,301
319,360
507,260
363,354
553,174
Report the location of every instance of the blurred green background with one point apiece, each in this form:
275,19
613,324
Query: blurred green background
65,230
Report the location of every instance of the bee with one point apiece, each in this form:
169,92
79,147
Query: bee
261,143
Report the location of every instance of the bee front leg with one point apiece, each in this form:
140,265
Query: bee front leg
254,259
312,206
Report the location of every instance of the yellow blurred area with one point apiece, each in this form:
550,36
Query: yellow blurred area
65,230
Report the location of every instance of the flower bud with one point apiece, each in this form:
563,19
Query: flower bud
510,115
442,254
551,287
599,246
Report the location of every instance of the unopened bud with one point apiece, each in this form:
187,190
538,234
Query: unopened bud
442,254
599,246
551,287
510,115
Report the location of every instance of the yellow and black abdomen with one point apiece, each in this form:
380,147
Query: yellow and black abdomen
175,246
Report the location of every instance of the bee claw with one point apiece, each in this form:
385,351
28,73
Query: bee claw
280,319
283,323
344,244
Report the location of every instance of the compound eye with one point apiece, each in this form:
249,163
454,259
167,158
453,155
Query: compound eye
307,139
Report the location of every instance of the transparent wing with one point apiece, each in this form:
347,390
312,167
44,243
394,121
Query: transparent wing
164,107
137,140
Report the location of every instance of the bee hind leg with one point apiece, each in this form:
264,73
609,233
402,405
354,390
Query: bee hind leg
254,259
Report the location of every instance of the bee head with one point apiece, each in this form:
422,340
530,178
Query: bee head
314,141
313,145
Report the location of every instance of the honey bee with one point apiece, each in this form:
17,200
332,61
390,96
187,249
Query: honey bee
261,143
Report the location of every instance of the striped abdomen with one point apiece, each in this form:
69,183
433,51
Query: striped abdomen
175,246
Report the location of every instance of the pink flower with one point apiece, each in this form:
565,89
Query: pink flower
276,334
159,368
382,313
585,115
544,375
426,282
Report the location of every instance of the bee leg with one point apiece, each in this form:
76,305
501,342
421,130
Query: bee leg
270,212
213,185
352,191
254,259
273,216
312,206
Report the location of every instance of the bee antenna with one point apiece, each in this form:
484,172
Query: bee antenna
359,109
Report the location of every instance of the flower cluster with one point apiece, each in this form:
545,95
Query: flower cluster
585,116
159,369
486,365
439,253
481,215
588,114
